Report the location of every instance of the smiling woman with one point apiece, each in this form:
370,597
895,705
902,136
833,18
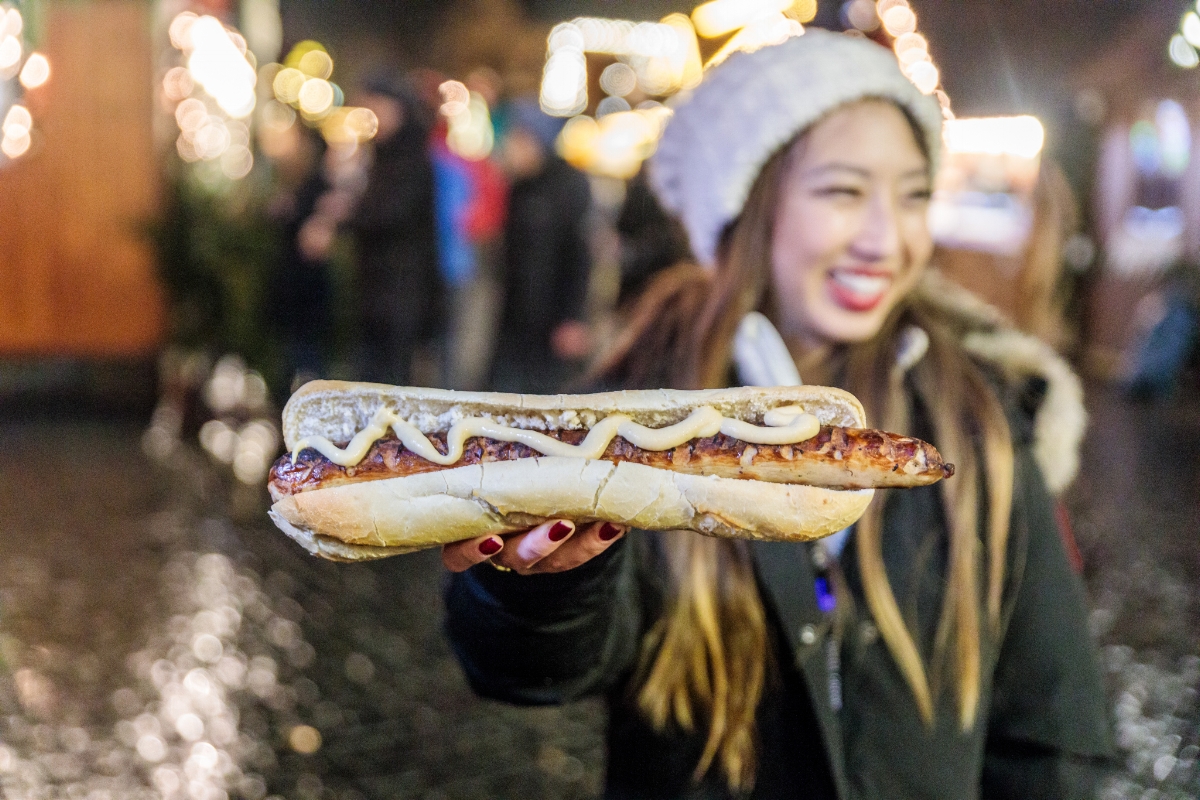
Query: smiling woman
850,237
939,648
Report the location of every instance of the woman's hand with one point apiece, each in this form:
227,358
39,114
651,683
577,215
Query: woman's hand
554,546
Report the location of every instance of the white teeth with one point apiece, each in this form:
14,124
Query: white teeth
862,284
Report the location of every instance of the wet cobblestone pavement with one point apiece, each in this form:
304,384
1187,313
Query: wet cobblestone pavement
158,639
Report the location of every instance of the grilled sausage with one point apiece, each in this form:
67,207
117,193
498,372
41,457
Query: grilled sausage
836,458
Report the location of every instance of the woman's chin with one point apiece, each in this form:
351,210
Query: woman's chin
842,326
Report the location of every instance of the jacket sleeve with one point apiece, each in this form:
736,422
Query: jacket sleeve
542,639
1048,733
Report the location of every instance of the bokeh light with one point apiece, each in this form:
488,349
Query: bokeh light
178,84
315,97
618,79
10,52
764,32
316,64
861,14
362,123
14,23
924,76
564,83
719,17
803,10
15,146
1190,28
17,122
36,71
220,67
1021,136
1182,53
455,97
287,85
180,30
470,133
899,20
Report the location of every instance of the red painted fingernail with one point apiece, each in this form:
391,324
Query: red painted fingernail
560,531
489,547
608,532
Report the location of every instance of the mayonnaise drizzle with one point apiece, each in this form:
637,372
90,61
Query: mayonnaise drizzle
784,425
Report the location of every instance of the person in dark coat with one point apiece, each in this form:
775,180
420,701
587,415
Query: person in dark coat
546,264
399,288
651,240
300,286
936,649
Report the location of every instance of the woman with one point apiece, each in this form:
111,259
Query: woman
938,651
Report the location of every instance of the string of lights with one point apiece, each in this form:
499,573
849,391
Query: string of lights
654,60
1182,49
21,70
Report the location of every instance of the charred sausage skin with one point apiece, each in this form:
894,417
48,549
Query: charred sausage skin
836,458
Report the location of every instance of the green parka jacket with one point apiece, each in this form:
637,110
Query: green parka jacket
839,721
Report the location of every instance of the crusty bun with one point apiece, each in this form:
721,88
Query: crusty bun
377,518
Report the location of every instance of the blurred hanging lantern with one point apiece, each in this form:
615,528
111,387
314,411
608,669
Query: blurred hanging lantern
21,70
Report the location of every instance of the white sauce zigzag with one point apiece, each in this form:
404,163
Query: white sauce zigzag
784,425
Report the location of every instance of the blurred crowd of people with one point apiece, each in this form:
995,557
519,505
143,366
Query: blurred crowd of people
476,272
467,273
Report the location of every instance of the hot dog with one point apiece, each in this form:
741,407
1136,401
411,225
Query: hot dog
375,470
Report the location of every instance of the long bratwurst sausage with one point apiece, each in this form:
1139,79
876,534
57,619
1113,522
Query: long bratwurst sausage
376,470
836,458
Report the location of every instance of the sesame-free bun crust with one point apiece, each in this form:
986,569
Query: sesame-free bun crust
377,518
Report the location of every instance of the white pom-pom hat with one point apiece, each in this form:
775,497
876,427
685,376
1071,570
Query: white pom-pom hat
753,104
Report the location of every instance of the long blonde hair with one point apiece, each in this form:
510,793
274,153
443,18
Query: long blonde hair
707,660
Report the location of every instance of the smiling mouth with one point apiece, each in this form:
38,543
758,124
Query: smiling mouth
856,290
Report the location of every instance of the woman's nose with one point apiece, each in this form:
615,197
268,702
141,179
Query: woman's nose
879,238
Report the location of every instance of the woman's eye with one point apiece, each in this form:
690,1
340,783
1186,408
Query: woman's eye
921,195
839,191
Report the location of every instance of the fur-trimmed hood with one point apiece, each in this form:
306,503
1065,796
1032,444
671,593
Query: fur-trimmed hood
1061,419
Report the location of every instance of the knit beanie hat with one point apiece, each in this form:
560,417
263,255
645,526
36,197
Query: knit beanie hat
751,105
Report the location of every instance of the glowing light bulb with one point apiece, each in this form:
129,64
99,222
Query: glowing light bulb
803,10
1191,28
909,41
564,83
190,115
221,68
287,85
455,97
924,76
362,124
13,23
316,64
618,79
15,146
1182,53
1021,136
181,30
899,20
10,52
178,83
723,16
17,122
36,71
315,97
